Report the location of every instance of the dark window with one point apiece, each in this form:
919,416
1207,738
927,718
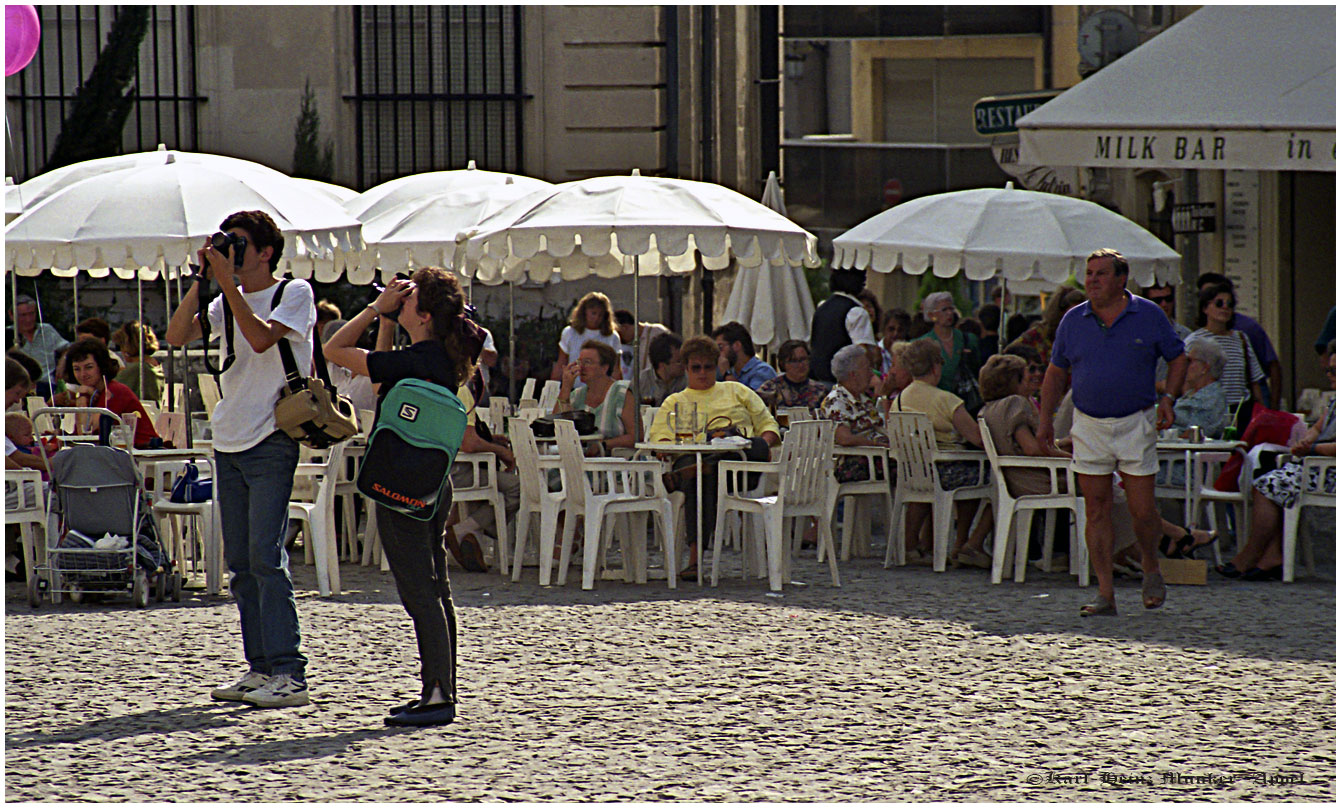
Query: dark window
811,22
166,102
435,87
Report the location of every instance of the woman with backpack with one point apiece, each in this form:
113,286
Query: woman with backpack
444,347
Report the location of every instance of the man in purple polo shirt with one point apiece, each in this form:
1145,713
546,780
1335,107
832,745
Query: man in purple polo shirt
1107,348
1257,337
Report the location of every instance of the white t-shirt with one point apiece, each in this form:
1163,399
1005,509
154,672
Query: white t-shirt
570,341
245,415
860,329
488,346
10,447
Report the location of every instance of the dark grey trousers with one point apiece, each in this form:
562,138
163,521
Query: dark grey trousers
418,561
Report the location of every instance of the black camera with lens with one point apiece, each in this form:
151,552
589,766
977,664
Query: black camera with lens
379,289
221,241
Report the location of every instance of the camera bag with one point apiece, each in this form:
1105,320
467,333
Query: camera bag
309,409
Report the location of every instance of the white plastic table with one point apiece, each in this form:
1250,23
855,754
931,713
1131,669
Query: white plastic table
698,450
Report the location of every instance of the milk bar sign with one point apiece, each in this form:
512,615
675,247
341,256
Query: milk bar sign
1224,149
996,115
1195,217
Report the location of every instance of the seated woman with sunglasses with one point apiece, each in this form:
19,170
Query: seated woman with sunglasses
793,387
723,408
608,400
1242,373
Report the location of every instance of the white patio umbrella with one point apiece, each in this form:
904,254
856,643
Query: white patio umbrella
379,199
42,186
336,193
1023,235
612,226
406,229
152,218
774,301
13,200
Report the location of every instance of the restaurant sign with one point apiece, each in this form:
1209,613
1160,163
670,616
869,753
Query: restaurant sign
1223,149
996,115
1194,217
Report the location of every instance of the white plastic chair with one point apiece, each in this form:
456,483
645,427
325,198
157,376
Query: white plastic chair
806,487
631,487
1008,507
528,389
171,427
536,498
796,413
483,487
1290,518
29,511
32,404
1205,469
912,444
854,497
549,395
209,392
317,516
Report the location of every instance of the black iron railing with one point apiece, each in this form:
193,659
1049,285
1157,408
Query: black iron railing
435,87
166,97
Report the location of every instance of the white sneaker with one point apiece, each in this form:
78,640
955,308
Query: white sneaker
243,686
281,690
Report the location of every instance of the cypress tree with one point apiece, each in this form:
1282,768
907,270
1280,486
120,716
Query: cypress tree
102,104
310,161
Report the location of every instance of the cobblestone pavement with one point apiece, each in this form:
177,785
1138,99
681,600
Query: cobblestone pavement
903,685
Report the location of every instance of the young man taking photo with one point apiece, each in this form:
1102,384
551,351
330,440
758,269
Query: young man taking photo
255,461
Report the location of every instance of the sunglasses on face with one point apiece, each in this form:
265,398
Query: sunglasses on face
696,368
1162,299
1223,304
796,360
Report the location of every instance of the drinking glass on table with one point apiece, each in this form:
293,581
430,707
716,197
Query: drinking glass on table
685,422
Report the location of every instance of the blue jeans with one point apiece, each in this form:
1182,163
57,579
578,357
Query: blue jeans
253,488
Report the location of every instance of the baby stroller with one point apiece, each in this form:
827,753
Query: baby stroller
106,542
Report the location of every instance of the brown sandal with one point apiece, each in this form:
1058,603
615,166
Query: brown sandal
466,551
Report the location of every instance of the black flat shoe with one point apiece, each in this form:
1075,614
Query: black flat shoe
432,715
1256,574
400,708
1228,570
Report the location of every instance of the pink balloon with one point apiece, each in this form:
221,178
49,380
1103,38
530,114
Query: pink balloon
22,33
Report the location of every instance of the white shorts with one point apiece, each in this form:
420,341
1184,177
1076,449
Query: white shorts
1105,445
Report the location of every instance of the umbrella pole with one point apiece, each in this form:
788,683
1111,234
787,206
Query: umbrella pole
635,366
167,305
74,285
512,343
139,306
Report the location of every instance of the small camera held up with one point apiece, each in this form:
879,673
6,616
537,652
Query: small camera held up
378,289
221,242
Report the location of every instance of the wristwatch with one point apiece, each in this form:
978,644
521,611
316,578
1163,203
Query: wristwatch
1171,397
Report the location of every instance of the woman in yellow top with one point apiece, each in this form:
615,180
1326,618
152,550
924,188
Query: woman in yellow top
954,427
720,405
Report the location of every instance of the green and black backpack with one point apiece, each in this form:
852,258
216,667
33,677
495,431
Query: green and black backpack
412,447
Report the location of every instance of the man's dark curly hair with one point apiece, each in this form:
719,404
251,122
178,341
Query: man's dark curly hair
261,232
